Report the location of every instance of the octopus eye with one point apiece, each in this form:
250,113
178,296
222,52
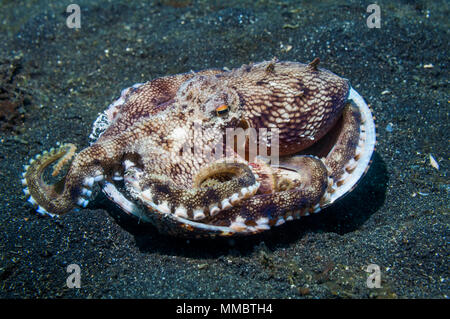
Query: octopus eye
222,109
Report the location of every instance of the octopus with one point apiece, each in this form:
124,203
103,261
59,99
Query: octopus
179,151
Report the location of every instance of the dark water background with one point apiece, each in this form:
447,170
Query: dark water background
55,80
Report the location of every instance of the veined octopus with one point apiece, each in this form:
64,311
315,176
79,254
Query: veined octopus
161,151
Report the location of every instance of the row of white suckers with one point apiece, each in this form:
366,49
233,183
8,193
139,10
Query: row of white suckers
26,191
133,175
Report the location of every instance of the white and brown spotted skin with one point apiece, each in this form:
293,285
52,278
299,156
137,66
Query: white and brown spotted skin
151,146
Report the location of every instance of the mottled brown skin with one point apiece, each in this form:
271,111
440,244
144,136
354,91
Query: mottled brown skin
151,129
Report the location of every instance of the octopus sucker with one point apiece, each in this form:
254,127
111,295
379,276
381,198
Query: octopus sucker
301,138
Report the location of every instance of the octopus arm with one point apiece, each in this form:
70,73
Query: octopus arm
71,191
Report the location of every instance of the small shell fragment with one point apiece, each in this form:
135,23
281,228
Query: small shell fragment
433,162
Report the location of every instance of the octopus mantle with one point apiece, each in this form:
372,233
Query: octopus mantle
162,151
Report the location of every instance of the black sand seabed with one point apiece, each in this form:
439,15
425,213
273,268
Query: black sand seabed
55,80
